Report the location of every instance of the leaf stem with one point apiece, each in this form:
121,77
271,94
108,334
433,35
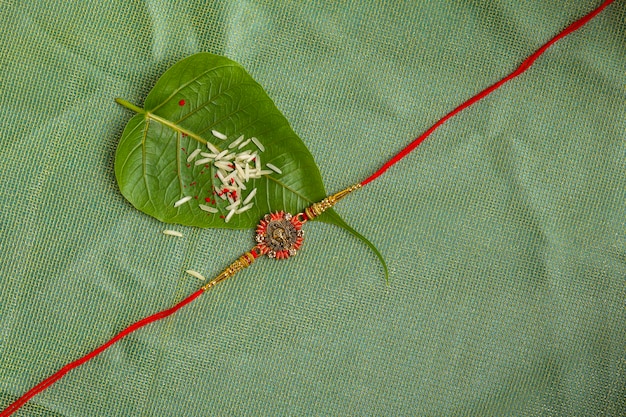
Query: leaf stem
147,114
129,105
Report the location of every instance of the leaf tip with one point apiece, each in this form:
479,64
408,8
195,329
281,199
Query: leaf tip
382,261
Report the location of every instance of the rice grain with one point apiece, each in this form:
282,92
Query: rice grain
196,274
258,144
193,155
172,233
274,168
182,201
219,135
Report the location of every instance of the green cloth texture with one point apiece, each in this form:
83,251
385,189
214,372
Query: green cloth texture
505,232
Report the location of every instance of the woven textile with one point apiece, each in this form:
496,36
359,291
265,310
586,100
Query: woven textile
505,232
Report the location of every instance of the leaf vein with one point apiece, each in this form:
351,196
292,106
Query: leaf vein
144,160
178,162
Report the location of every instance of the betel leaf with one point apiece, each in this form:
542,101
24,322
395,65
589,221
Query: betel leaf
197,97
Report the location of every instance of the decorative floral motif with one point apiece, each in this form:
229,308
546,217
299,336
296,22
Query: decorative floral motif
279,235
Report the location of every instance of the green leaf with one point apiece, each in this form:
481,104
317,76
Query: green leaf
197,96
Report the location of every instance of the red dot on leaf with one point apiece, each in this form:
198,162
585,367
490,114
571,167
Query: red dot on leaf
181,102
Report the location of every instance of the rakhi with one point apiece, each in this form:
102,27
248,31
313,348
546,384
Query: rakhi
279,234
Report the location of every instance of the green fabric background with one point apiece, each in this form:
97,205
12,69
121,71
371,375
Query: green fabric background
505,233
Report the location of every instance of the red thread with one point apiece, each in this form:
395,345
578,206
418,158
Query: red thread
165,313
61,372
528,62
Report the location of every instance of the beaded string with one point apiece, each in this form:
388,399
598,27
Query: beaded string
289,225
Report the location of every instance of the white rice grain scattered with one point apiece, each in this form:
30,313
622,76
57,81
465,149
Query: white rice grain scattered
242,175
221,154
230,178
258,144
229,157
226,166
265,172
239,183
229,216
182,201
172,233
234,205
236,142
212,148
208,209
242,156
208,155
202,161
274,168
196,274
249,197
219,135
244,208
244,144
246,173
193,155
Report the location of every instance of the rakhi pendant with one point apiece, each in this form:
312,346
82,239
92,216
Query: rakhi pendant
279,235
